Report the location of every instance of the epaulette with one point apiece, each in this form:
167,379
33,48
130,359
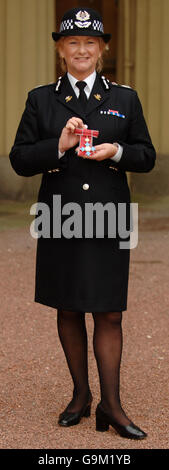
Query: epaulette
57,87
107,84
43,86
123,86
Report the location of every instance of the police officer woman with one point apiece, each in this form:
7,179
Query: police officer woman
79,273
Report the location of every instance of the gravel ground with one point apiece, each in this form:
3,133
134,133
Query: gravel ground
35,382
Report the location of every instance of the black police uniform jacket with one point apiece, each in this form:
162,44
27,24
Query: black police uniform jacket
81,273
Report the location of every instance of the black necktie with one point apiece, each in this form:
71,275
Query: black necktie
82,96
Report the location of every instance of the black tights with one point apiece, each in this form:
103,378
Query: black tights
107,345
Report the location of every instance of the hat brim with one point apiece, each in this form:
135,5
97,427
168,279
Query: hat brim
106,37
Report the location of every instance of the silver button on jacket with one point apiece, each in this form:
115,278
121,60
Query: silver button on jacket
85,186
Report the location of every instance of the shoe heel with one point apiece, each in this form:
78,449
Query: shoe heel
87,411
101,425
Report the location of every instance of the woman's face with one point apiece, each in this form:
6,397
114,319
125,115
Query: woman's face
81,54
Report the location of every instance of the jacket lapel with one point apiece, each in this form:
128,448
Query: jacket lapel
98,95
66,95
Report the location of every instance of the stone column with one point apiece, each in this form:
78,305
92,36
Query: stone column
126,42
152,67
2,75
27,59
151,82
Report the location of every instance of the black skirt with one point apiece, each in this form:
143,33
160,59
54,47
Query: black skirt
87,275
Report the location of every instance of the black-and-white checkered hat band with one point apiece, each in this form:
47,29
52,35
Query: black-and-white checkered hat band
69,24
81,22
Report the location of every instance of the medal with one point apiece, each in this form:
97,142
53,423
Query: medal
86,148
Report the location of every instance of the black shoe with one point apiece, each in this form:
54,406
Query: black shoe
68,418
103,420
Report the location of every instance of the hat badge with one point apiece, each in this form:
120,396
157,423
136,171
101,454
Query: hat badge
82,17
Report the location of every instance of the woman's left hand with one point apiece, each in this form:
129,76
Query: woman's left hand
103,151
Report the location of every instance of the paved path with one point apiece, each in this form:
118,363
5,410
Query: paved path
35,383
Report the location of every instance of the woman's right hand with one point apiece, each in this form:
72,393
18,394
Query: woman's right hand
68,139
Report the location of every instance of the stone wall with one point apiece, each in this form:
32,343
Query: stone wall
16,187
154,183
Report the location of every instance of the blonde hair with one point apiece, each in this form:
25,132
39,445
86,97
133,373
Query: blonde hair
99,65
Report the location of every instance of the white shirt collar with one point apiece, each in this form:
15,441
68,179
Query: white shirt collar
89,80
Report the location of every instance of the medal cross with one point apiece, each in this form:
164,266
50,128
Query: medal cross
86,148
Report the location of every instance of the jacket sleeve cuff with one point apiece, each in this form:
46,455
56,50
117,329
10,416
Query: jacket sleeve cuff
32,159
60,154
117,157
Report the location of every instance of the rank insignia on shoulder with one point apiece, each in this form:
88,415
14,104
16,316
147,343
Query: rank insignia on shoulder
68,98
97,96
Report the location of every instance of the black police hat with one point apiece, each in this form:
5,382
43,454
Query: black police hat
81,21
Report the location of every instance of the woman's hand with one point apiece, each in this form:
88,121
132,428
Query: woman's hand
102,152
68,139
